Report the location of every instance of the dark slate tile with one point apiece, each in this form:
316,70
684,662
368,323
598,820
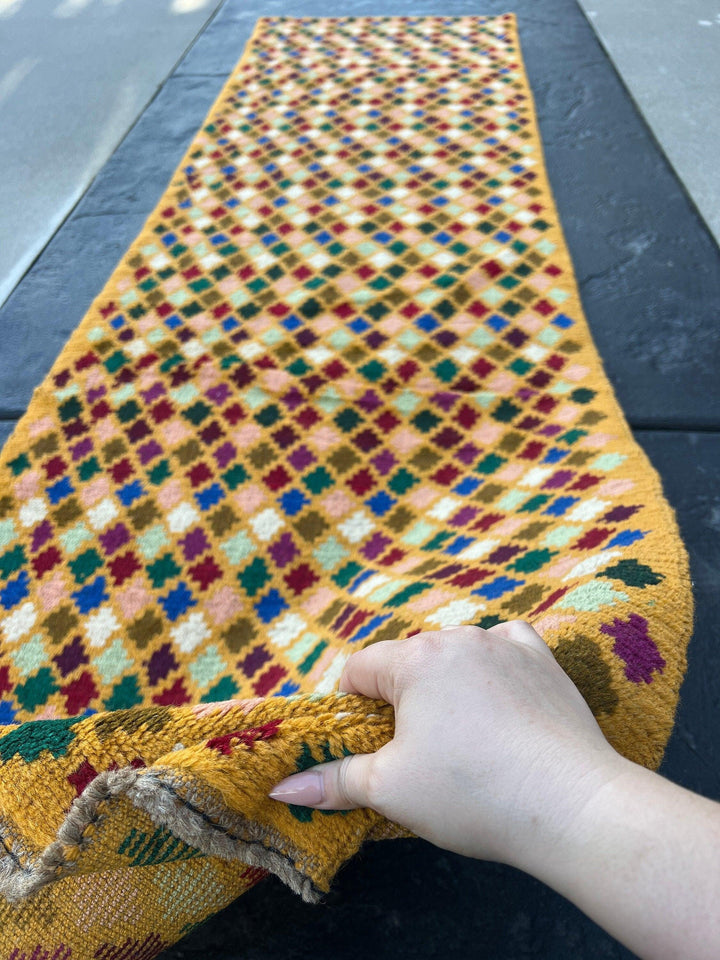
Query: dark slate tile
689,465
404,899
6,428
648,269
41,313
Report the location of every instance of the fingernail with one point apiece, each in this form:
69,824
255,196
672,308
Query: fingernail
304,788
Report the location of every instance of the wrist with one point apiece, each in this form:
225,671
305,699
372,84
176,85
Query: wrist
566,823
641,858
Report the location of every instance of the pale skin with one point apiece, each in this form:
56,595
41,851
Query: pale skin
497,756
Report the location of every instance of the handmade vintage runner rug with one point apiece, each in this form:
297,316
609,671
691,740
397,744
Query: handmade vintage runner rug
339,390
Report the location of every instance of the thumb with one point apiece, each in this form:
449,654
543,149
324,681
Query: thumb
338,785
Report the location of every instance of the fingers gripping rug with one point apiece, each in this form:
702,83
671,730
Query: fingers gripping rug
339,390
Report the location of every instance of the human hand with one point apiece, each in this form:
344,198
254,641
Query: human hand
495,751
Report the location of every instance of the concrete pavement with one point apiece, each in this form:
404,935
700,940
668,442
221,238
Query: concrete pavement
668,55
74,77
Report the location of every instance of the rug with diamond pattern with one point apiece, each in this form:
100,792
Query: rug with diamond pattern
339,390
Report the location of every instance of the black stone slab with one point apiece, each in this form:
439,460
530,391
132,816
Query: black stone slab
404,900
42,312
6,428
649,271
407,899
689,465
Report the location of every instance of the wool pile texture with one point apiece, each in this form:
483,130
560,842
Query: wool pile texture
339,390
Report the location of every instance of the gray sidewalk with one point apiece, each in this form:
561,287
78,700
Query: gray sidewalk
649,274
668,54
74,76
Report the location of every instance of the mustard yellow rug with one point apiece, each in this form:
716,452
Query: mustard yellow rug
339,390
